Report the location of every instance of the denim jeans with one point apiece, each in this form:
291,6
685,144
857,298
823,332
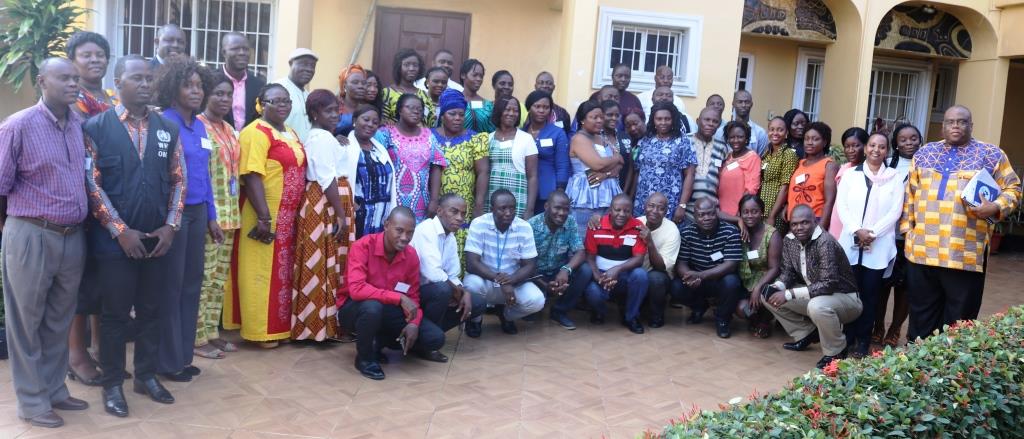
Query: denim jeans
632,284
578,282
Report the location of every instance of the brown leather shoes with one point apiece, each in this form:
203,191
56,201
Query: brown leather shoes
71,403
46,420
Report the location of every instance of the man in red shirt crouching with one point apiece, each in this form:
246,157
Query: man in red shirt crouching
381,301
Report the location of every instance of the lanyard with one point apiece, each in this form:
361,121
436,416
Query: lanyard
500,242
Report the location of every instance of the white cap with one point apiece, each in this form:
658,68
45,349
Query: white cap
300,52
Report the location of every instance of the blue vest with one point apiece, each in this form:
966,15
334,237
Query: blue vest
138,189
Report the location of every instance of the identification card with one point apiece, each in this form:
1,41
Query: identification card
505,145
559,124
753,254
629,240
206,144
764,166
476,105
717,256
88,163
732,166
547,143
800,178
402,287
233,186
717,163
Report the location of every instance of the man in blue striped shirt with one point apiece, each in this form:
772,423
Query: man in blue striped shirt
709,256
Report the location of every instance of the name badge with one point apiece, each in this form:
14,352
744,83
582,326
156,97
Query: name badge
717,256
88,163
717,163
764,166
402,287
547,143
753,254
505,145
476,105
206,144
732,166
629,240
800,178
559,124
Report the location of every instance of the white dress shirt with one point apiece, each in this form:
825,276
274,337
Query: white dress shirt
297,119
851,196
438,253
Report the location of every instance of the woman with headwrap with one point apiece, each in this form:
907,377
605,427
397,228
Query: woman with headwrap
466,152
352,94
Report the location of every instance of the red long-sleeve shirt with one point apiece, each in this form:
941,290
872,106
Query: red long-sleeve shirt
370,276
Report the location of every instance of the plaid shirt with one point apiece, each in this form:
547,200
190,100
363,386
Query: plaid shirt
939,230
554,249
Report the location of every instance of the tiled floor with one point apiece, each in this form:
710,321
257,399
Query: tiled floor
545,382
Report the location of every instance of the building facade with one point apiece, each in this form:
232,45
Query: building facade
847,62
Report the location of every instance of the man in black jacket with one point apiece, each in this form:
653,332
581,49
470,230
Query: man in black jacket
236,53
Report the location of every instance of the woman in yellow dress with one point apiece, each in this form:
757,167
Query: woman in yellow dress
273,170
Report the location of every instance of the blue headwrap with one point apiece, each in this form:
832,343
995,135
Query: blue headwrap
450,99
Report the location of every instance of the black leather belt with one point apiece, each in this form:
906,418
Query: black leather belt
59,228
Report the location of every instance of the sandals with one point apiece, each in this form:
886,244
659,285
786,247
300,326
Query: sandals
877,335
209,351
268,344
892,339
224,345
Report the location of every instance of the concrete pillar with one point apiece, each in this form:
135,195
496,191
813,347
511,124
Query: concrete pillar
293,28
847,75
576,54
981,86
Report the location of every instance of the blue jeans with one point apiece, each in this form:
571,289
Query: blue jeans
727,291
578,282
632,284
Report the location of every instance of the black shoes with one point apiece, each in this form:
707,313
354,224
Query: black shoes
474,328
861,349
656,322
634,326
696,318
192,370
596,319
722,327
507,326
435,356
802,344
46,420
370,369
824,361
71,404
154,389
114,402
178,377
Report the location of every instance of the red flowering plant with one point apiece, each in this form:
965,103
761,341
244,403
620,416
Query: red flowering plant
965,382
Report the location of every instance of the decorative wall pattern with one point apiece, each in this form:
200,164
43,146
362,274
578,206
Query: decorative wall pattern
923,30
799,19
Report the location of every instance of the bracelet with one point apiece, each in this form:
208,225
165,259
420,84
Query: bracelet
264,220
789,295
566,268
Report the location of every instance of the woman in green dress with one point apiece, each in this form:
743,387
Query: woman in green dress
762,260
466,152
513,156
478,109
777,168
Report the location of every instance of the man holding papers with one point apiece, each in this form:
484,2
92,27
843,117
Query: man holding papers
947,237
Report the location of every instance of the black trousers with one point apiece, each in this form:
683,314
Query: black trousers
940,296
125,284
659,288
379,326
180,307
435,299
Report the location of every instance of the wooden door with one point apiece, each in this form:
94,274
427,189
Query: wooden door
425,31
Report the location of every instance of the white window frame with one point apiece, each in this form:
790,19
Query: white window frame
806,56
112,13
951,72
922,108
691,26
749,79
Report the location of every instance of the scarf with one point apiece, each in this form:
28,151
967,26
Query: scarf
872,210
451,99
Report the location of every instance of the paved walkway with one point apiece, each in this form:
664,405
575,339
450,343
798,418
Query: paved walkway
544,382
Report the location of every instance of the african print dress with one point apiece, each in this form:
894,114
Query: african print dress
374,189
413,157
260,303
319,257
389,106
776,169
224,161
459,177
659,168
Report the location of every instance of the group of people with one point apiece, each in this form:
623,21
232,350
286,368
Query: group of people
191,198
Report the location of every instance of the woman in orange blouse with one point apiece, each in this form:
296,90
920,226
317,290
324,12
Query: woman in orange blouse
741,172
814,182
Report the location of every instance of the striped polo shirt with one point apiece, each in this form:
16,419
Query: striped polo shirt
499,251
615,246
702,252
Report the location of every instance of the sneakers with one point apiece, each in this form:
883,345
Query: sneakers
563,321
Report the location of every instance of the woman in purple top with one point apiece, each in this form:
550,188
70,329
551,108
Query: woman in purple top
182,88
418,158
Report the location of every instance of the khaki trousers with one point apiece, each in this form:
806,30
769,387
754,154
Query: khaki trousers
827,314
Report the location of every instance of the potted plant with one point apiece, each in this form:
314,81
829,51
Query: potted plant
30,32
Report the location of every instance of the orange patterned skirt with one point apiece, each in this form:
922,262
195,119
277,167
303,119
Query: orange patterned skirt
319,263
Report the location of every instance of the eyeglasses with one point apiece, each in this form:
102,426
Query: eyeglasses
960,123
282,101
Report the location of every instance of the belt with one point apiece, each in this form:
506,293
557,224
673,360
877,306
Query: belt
59,228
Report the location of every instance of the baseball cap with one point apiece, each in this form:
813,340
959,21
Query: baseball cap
300,52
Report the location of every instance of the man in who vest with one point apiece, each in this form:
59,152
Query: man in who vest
136,186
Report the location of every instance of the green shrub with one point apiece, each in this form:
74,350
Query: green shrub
966,382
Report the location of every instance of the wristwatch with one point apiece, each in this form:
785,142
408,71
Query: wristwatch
683,205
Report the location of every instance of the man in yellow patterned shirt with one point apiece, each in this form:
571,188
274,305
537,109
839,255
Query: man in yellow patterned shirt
947,239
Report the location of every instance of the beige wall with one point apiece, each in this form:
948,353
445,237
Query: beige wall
774,73
11,102
521,37
1012,141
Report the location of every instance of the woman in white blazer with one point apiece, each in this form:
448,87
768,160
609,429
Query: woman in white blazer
869,203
